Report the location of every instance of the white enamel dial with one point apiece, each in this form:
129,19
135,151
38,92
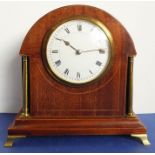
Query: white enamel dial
78,51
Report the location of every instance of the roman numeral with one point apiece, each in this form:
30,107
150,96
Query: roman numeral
90,72
58,63
54,51
101,51
98,63
77,75
79,27
58,39
92,29
66,71
67,30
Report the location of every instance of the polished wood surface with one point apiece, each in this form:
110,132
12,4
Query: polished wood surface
76,126
106,96
96,108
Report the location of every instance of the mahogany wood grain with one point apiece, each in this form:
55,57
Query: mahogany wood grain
106,96
95,108
68,126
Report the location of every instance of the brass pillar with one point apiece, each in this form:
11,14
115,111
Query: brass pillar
25,72
130,112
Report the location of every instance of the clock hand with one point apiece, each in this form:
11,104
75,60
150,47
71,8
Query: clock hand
92,50
68,44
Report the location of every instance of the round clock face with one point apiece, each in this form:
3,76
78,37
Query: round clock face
78,51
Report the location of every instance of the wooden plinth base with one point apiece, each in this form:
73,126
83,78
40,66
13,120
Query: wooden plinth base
37,126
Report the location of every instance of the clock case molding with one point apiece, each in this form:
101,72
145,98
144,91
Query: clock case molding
103,107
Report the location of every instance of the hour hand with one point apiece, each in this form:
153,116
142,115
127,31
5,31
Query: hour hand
68,44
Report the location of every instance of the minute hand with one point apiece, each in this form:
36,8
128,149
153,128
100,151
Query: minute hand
92,50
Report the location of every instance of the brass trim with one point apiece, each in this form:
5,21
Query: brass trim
10,140
89,19
25,72
130,112
143,138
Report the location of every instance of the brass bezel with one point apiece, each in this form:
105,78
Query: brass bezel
89,19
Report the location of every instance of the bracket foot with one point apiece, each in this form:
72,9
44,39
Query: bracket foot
142,137
10,140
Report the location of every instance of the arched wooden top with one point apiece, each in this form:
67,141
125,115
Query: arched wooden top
32,43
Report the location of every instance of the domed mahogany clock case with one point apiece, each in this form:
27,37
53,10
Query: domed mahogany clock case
52,106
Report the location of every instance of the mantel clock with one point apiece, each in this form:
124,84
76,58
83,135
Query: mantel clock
77,66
